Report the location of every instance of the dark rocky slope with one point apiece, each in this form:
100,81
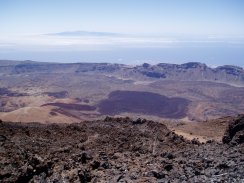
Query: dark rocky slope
113,150
235,133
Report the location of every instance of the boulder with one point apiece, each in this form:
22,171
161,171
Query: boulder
235,131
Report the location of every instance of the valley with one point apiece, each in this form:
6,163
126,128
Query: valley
68,93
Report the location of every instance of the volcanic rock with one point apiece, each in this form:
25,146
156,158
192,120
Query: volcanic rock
113,150
235,131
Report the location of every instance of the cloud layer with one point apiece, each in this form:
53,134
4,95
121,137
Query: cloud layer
85,40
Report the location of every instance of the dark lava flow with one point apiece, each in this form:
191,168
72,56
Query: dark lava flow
143,103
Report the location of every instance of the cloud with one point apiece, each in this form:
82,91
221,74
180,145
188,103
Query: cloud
6,45
85,40
85,33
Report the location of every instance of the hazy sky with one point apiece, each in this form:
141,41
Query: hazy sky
130,31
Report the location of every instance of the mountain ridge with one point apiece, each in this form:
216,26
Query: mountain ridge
191,71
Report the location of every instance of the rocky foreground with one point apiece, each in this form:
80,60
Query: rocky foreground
117,150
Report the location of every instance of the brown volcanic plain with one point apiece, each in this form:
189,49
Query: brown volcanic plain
81,91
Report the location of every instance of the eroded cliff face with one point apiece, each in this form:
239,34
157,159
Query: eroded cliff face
192,71
113,150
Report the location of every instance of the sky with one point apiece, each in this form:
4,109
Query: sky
124,31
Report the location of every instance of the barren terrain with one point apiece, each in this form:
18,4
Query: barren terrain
117,150
55,129
67,93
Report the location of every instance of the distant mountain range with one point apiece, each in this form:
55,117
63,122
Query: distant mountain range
192,71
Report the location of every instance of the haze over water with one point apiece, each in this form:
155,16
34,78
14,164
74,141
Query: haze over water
130,32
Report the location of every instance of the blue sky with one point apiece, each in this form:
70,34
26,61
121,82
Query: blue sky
128,31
